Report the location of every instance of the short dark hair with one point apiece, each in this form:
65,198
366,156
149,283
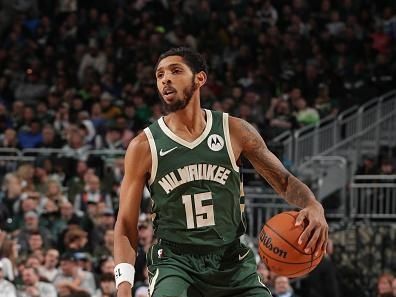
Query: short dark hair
107,277
192,58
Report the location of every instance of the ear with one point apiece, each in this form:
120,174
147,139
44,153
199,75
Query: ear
201,78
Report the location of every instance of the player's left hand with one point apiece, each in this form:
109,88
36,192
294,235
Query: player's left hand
315,234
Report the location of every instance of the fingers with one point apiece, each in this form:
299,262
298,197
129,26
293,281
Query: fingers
316,239
300,218
326,238
306,234
311,243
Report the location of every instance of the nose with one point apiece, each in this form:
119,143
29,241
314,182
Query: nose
166,79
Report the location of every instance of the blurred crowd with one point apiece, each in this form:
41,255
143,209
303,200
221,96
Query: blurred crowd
77,76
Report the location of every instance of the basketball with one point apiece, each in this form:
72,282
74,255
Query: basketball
279,248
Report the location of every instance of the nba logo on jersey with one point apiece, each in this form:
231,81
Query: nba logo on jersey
160,253
215,142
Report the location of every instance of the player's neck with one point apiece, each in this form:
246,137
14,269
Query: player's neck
191,119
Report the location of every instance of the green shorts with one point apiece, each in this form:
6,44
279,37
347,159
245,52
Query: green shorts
179,271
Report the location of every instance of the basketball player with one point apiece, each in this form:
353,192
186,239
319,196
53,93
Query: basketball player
189,161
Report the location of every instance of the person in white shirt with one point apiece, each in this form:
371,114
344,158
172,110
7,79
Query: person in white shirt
33,287
72,277
49,270
7,289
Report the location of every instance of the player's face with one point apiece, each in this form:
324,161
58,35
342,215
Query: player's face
176,83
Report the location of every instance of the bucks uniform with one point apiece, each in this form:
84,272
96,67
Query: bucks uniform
195,188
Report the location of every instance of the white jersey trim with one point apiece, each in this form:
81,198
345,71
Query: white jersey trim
183,142
154,156
152,283
226,129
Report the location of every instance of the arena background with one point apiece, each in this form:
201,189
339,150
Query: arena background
316,77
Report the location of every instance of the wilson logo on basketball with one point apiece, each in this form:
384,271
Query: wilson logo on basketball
267,242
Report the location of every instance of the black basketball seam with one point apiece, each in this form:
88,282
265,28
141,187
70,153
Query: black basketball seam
272,229
284,262
311,259
297,272
287,213
290,275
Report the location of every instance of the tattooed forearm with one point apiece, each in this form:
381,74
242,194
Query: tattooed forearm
298,193
268,166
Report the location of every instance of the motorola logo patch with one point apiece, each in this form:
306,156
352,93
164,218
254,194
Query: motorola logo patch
215,142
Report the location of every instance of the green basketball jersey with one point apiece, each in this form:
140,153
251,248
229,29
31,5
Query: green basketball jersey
195,186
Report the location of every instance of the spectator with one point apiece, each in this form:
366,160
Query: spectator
323,103
34,260
267,14
97,117
384,285
7,257
279,117
11,194
112,179
109,110
67,213
107,286
106,265
85,261
72,278
7,289
107,248
75,147
33,287
387,167
92,194
62,122
31,220
35,242
305,115
9,139
31,137
368,166
112,140
94,58
264,273
25,172
49,138
142,292
282,287
54,192
49,269
76,239
77,183
32,88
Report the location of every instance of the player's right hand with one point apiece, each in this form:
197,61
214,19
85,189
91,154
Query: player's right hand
124,290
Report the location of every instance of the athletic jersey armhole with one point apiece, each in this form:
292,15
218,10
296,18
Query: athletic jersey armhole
154,156
228,142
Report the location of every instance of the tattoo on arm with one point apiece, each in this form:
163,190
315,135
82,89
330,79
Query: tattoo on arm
268,166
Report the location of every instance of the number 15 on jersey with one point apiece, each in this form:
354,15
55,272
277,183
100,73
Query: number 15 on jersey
198,215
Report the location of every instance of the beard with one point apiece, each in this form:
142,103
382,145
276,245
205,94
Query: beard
180,103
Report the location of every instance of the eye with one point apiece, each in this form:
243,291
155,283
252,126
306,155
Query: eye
160,74
176,71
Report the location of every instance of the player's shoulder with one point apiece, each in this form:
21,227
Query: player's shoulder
139,144
138,155
236,124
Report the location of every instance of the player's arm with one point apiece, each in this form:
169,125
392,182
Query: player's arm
247,141
137,165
